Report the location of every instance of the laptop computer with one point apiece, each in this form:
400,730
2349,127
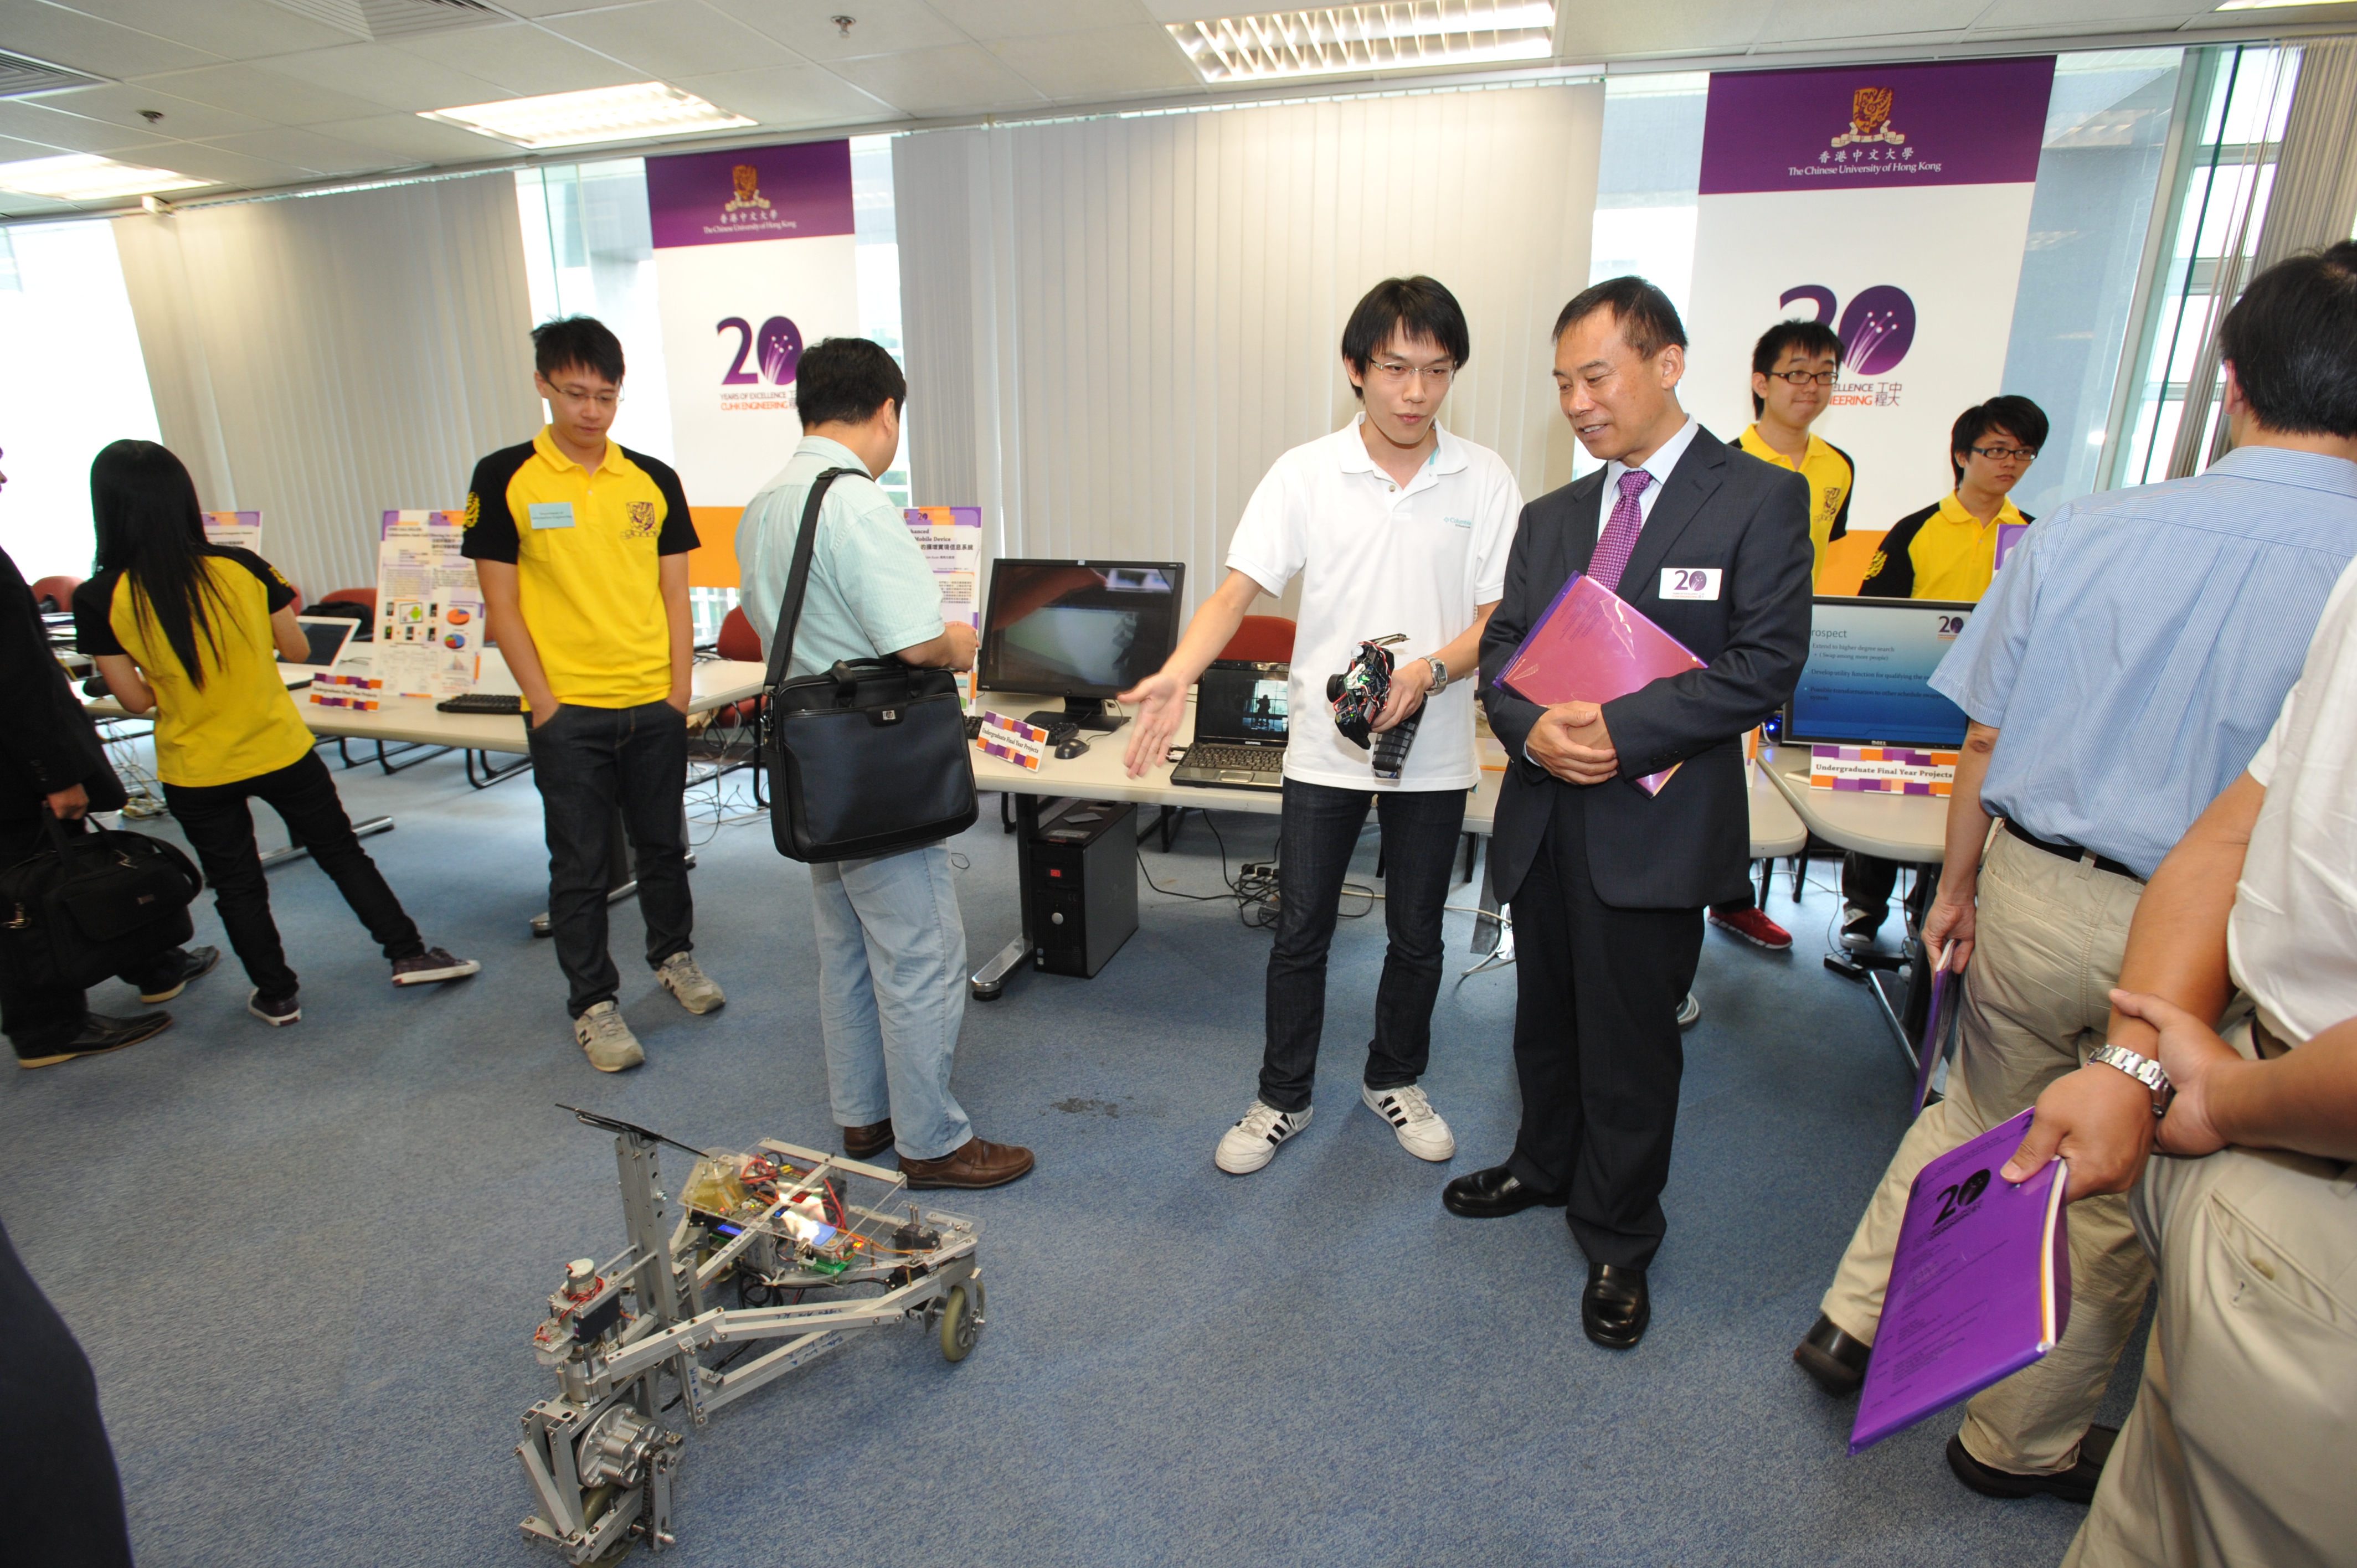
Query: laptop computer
328,635
1240,718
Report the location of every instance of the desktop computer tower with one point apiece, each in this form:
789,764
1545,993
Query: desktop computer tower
1083,891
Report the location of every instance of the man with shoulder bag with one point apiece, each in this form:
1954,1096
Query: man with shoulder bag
891,942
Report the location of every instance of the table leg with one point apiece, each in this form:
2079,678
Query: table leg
989,982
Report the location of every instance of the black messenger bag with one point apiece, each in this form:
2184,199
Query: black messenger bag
90,905
868,758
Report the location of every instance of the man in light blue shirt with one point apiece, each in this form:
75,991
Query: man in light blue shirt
891,943
2121,672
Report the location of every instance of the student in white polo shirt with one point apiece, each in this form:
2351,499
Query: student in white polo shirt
1395,527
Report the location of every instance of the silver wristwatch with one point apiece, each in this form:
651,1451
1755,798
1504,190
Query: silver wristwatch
1439,673
2144,1069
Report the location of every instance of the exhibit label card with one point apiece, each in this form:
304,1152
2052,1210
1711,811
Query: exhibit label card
1012,740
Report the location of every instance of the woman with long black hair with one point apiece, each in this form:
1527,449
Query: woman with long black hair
188,628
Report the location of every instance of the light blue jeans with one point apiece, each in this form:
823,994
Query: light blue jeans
891,954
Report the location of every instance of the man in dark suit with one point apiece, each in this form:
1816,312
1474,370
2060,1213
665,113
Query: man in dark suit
1609,883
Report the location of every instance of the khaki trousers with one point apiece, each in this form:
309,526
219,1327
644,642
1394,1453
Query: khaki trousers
2237,1451
2036,1000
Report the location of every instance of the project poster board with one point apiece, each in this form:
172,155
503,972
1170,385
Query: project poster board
429,607
234,529
951,537
754,260
1890,202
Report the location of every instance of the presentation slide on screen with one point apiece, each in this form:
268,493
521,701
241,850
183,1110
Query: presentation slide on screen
1868,675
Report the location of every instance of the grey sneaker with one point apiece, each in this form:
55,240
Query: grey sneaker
681,975
610,1045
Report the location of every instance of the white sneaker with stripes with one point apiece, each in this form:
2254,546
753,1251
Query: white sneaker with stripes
1252,1142
1421,1130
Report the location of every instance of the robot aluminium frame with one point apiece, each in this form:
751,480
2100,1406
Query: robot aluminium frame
780,1221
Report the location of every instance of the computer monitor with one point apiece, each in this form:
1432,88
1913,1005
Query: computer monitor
1868,680
1081,630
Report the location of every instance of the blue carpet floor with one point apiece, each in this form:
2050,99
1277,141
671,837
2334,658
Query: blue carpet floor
306,1263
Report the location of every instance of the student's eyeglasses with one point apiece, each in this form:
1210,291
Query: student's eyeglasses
1397,374
599,399
2005,453
1805,377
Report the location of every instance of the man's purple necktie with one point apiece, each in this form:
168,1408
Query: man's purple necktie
1619,539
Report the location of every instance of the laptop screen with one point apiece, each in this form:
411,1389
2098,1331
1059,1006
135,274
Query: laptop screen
1241,704
1868,675
327,635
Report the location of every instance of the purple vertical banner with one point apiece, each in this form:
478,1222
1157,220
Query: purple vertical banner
750,193
1878,126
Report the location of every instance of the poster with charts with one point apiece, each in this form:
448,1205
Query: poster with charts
429,607
1890,202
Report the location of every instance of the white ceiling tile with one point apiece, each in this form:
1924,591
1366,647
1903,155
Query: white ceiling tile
234,30
85,43
2131,15
267,95
525,59
1103,64
957,80
26,120
792,95
16,204
882,26
184,119
1848,21
383,75
543,8
989,19
223,166
411,137
671,38
1658,27
308,150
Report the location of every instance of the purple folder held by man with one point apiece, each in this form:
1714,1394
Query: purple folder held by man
1592,646
1980,1284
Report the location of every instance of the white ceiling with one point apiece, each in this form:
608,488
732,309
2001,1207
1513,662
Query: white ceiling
259,93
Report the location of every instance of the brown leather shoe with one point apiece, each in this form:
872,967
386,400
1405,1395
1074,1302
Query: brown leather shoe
973,1163
866,1143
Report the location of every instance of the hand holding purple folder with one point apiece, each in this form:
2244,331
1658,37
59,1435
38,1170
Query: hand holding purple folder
1592,646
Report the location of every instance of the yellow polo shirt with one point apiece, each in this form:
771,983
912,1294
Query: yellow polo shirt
1941,552
1831,476
586,548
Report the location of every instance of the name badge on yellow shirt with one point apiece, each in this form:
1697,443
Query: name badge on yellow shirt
1690,581
552,514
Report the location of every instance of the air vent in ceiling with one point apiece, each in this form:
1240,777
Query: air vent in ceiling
381,19
21,75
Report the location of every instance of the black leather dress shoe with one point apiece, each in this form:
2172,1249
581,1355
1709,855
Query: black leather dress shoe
1614,1308
99,1035
2075,1485
174,971
1834,1360
1493,1194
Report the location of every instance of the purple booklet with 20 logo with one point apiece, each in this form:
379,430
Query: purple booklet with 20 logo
1980,1284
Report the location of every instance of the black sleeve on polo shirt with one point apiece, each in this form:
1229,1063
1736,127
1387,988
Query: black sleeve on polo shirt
678,535
273,582
491,530
1841,518
1891,573
93,605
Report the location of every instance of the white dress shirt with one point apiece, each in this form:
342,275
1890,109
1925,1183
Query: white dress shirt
1665,458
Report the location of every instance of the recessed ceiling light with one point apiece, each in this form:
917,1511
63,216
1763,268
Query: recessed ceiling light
2274,4
629,114
86,176
1367,37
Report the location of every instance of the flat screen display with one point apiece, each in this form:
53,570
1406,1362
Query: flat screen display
1868,675
1242,703
1078,628
327,636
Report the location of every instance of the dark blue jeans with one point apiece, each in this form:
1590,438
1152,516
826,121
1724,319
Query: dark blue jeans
1320,834
589,763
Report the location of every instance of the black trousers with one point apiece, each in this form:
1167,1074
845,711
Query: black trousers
1319,835
587,763
42,1019
219,827
1596,1044
1866,881
58,1488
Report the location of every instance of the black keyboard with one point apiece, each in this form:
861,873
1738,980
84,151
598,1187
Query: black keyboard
1251,758
480,702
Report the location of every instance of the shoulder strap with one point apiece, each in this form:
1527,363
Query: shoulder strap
789,614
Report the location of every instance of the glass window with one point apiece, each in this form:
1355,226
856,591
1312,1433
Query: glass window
1646,182
78,383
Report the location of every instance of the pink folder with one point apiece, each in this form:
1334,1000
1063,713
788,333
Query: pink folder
1592,646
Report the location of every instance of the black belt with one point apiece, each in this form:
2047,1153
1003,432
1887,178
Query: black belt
2069,851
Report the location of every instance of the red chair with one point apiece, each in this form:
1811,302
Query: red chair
738,641
55,594
364,596
1268,639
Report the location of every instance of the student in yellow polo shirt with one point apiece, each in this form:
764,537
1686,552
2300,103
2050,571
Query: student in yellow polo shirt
582,545
1947,551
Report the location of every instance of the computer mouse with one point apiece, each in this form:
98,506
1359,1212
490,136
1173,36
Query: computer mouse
1069,749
